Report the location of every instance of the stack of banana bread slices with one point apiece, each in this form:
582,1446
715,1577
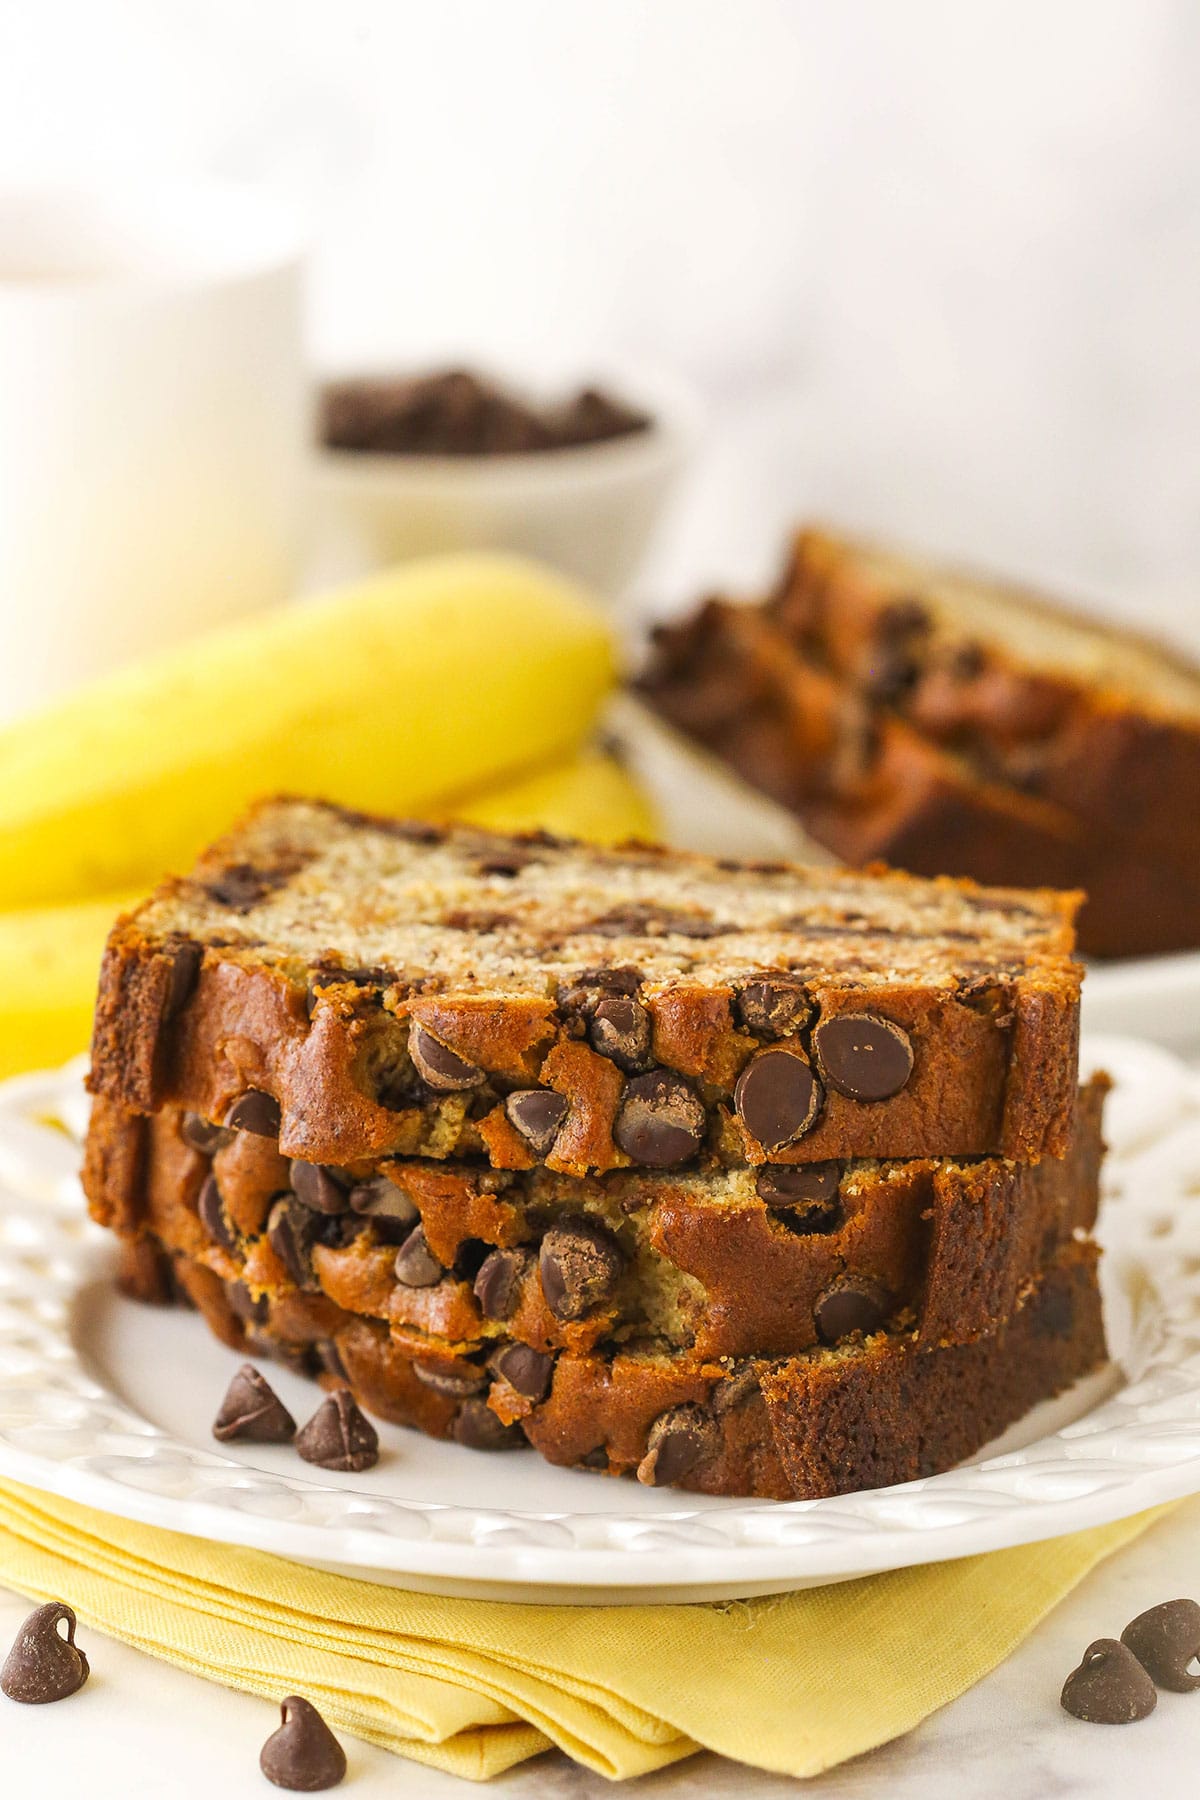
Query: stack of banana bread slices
742,1178
955,725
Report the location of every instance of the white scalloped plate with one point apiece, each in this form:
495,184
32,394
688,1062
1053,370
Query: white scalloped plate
110,1403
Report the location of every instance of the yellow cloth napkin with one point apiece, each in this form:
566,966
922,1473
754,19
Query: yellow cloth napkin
792,1683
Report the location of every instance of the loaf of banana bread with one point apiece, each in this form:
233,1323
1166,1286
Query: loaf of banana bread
716,1262
359,988
867,1412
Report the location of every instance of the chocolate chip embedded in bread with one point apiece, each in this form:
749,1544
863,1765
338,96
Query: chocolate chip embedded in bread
339,1436
416,1265
253,1411
804,1198
477,1428
43,1665
773,1006
199,1135
324,1188
1110,1686
537,1113
460,1378
580,1263
302,1755
856,1303
1166,1641
863,1056
256,1112
253,1309
186,958
619,1028
291,1232
661,1120
777,1097
382,1199
498,1282
679,1441
525,1369
211,1209
440,1067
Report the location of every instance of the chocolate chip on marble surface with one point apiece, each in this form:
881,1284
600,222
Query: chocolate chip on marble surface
863,1056
302,1755
291,1232
440,1067
620,1029
416,1266
256,1112
253,1411
1110,1686
527,1370
661,1120
339,1436
580,1263
777,1097
773,1007
382,1199
43,1665
200,1135
855,1303
185,959
211,1210
476,1427
461,1378
1166,1641
323,1188
497,1284
537,1114
679,1440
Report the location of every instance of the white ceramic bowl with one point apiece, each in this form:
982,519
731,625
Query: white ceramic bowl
589,510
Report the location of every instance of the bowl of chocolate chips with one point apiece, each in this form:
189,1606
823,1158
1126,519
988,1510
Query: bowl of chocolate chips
410,465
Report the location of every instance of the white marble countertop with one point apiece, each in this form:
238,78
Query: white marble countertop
143,1726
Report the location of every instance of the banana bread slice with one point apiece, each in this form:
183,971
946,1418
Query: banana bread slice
1103,721
867,1413
358,987
718,1262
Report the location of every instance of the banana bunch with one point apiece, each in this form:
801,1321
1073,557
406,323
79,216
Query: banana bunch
461,687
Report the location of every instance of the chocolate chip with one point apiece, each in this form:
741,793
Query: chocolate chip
580,1264
329,1358
661,1121
855,1303
303,1754
211,1209
323,1188
460,1379
777,1097
252,1410
440,1067
594,1459
254,1309
416,1266
620,1030
202,1136
382,1199
679,1440
774,1007
477,1428
590,986
537,1114
1166,1641
498,1283
240,886
863,1056
339,1436
291,1233
1110,1686
782,1184
256,1112
42,1664
186,958
526,1369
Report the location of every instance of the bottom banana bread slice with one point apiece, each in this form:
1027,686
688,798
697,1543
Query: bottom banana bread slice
868,1412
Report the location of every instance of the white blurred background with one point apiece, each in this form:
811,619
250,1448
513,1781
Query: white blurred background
935,266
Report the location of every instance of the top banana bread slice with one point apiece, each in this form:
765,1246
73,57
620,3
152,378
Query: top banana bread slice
362,987
1100,720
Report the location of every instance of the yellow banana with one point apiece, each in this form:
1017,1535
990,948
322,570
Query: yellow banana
396,695
592,796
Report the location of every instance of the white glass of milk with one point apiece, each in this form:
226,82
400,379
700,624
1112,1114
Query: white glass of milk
153,422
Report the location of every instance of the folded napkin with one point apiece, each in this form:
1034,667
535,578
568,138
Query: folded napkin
792,1683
